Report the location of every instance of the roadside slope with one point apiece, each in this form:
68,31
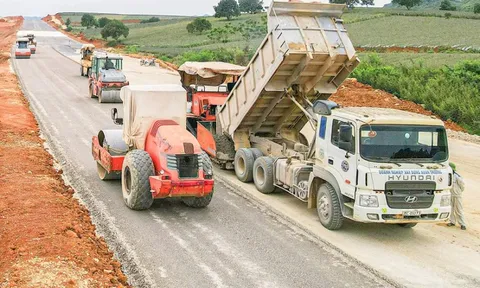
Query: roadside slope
46,236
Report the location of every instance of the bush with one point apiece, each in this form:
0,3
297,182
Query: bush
113,43
88,21
131,49
448,15
476,8
115,29
199,25
222,34
452,93
151,20
447,5
102,22
69,28
233,55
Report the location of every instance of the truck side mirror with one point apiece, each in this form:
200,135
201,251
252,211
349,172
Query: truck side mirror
116,120
345,141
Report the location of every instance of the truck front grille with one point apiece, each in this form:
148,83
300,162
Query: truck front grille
187,165
410,195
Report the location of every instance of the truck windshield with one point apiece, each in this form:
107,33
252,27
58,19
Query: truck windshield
22,45
110,63
400,143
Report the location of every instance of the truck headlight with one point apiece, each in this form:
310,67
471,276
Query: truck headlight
369,200
445,201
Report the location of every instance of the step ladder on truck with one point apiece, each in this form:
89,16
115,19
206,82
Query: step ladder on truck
365,164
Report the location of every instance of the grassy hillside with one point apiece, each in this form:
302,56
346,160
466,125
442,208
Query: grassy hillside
462,5
433,60
415,31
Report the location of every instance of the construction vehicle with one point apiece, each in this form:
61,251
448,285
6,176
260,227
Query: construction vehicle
22,51
364,164
86,53
32,43
106,78
154,155
208,85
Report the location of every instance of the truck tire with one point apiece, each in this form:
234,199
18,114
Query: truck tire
328,207
198,202
81,71
256,153
244,161
136,170
407,225
104,175
263,174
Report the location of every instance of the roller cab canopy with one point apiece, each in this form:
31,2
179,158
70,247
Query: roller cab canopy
143,104
208,73
87,47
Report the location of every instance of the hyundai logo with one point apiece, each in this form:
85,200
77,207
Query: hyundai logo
411,199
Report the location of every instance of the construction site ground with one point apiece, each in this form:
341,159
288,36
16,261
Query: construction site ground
238,238
46,236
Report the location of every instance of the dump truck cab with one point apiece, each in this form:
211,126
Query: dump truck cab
106,78
385,165
86,57
153,154
22,50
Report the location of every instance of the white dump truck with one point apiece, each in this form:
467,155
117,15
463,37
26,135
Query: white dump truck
368,165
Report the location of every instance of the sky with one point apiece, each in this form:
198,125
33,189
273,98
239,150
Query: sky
153,7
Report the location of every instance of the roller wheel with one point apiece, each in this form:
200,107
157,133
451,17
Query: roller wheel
244,161
198,202
104,175
407,225
256,153
328,207
263,174
136,171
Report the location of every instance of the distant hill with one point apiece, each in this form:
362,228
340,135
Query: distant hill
462,5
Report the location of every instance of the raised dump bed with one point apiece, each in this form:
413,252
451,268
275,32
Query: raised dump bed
305,56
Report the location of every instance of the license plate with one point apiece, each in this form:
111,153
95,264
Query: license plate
411,213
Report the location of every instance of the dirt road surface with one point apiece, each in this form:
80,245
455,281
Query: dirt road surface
232,243
46,236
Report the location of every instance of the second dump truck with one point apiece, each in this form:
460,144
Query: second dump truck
364,164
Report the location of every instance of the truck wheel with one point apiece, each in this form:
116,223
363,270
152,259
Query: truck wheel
244,160
328,207
99,95
263,174
198,202
104,175
407,225
81,71
256,153
136,170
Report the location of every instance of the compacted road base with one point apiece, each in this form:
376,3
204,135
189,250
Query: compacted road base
231,243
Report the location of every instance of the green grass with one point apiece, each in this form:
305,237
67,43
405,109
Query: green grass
77,16
432,60
415,31
170,37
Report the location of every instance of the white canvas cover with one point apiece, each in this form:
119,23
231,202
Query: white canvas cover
207,73
143,104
